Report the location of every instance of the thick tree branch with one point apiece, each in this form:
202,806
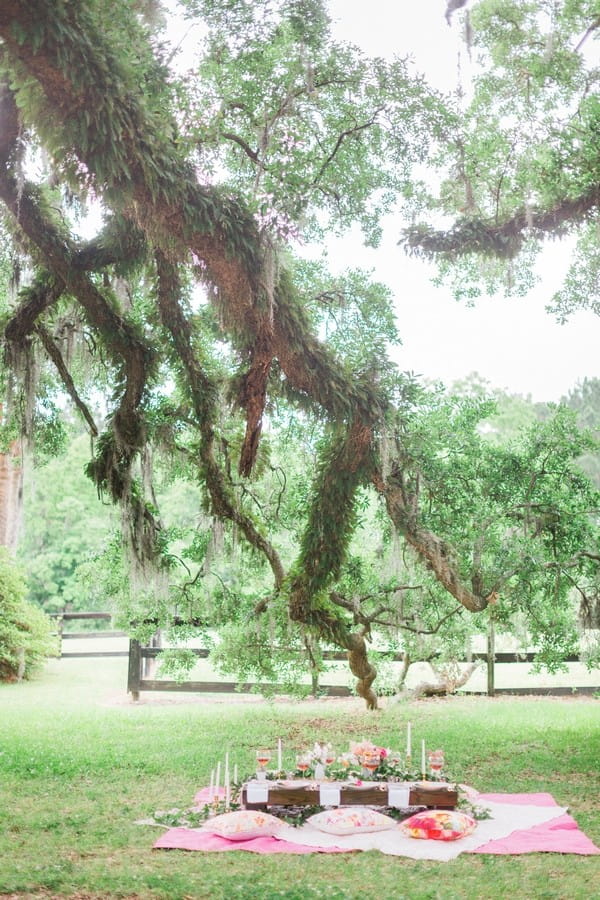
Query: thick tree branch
60,254
252,154
595,25
56,357
119,243
428,546
203,394
503,240
41,294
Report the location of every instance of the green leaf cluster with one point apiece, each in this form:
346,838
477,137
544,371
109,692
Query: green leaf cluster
26,639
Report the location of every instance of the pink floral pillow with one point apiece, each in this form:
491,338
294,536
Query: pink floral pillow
243,825
439,825
350,820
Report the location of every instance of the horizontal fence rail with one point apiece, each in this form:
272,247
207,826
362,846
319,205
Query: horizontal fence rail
63,635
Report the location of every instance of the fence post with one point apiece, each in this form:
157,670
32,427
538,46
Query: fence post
491,654
134,669
149,662
60,626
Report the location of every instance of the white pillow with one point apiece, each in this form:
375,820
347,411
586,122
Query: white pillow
243,825
351,820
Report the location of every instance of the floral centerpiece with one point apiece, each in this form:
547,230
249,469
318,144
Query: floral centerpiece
364,760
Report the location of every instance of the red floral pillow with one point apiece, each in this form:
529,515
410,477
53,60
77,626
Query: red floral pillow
439,825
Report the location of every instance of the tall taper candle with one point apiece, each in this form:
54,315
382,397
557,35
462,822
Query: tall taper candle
408,741
279,761
227,784
217,780
423,767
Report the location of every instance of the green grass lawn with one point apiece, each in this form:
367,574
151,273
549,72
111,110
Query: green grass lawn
79,764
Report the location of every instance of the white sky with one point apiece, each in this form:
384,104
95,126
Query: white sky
513,343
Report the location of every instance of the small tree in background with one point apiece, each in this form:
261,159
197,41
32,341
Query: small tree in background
26,640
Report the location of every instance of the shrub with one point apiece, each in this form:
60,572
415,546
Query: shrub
26,640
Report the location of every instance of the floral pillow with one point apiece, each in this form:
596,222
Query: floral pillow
439,825
243,825
351,820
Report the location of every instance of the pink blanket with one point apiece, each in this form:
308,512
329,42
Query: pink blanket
559,835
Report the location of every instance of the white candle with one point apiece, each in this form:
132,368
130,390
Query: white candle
211,787
423,769
279,761
227,784
217,779
408,741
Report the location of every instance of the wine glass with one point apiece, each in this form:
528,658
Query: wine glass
262,758
303,763
329,756
370,760
436,762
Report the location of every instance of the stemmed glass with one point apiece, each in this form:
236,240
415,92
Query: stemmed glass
328,756
262,758
303,761
436,762
370,760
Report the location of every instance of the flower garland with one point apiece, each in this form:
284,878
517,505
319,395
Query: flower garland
350,766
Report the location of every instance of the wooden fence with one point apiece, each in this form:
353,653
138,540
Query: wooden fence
63,635
141,661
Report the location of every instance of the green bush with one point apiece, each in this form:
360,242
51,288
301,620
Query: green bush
26,640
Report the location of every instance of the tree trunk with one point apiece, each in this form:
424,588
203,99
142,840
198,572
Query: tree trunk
448,682
11,495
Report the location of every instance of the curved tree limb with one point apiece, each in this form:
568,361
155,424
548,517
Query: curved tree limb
203,393
474,235
41,294
323,551
56,357
428,546
129,351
